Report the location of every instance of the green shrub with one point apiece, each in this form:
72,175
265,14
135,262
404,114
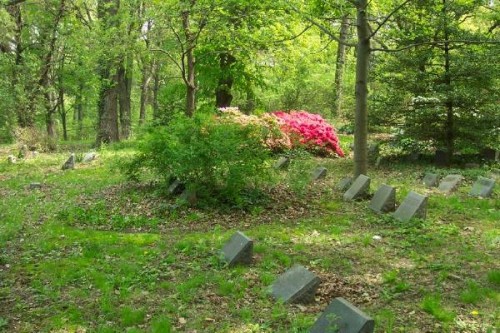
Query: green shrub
222,163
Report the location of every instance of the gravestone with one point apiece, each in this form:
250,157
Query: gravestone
373,151
430,180
441,158
414,205
23,152
238,250
11,159
490,154
296,285
89,157
384,199
282,163
483,187
450,183
175,187
344,184
319,173
343,317
359,189
70,163
35,186
378,161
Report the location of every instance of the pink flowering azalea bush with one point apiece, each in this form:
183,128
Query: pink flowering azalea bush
309,130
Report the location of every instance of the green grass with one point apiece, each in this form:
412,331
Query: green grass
90,251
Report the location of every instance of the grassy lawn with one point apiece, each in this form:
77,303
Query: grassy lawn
91,252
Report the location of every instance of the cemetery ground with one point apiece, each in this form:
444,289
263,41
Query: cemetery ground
92,252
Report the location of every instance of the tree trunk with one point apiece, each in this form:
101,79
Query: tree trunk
189,77
62,111
145,81
223,96
124,92
156,89
450,135
362,68
78,115
339,68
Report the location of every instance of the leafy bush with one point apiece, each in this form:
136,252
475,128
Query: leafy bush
310,130
220,161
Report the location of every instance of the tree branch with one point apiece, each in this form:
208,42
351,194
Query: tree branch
436,43
384,21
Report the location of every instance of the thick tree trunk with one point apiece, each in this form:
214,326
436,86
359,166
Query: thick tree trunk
362,68
78,115
339,68
124,93
223,96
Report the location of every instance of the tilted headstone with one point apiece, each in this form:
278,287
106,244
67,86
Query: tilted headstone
431,180
450,183
343,317
296,285
176,187
282,163
35,186
384,199
11,159
344,184
414,205
483,187
238,250
359,189
70,163
89,157
319,173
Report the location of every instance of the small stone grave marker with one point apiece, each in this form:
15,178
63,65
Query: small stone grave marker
430,180
441,158
282,163
373,151
89,157
70,163
175,187
23,152
35,186
414,205
11,159
296,285
319,173
384,199
344,184
358,189
238,250
449,183
483,187
343,317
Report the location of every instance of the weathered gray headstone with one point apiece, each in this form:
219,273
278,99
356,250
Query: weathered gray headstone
344,184
70,163
11,159
296,285
176,187
483,187
89,157
282,163
343,317
414,205
319,173
359,189
430,180
373,151
378,161
384,199
239,250
35,186
450,183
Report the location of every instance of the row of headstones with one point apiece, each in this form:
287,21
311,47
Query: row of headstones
69,164
299,285
483,187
